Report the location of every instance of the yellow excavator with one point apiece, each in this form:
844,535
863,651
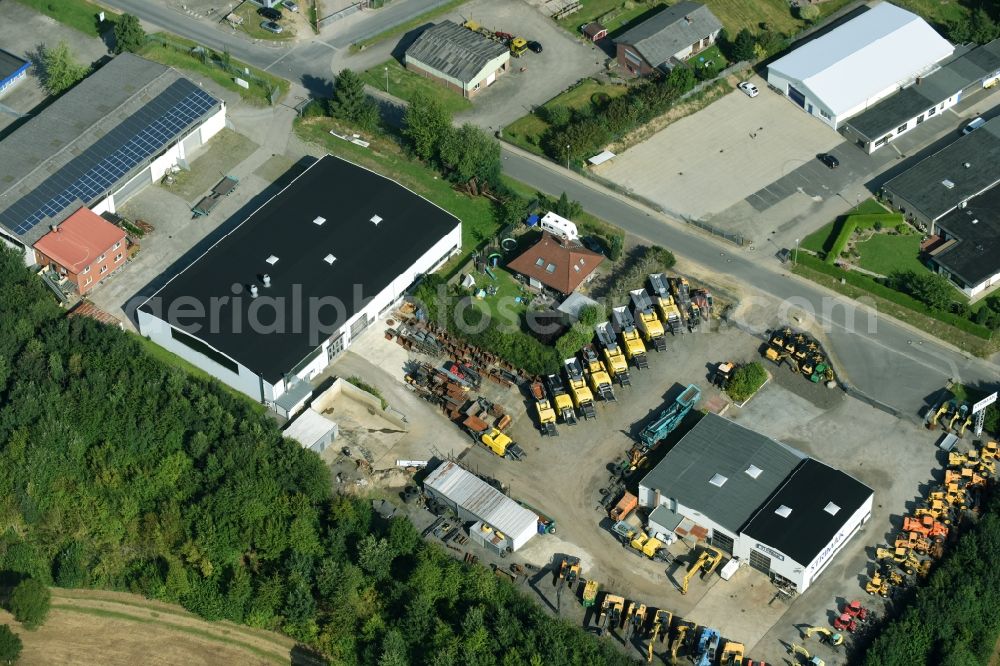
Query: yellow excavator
546,415
732,654
668,310
675,645
707,561
877,585
649,324
798,650
598,378
635,351
661,625
828,635
583,399
614,359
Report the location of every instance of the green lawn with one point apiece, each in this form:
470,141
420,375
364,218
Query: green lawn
612,14
178,52
585,222
405,84
886,254
252,21
78,14
426,17
941,12
501,305
527,131
384,156
817,240
711,61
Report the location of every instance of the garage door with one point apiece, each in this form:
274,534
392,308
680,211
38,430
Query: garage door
358,327
491,78
760,562
191,144
142,179
722,541
797,96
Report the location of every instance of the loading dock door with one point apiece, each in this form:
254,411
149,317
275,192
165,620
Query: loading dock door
796,96
722,542
491,78
760,562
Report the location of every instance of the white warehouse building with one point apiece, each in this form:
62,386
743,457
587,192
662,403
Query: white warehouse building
275,300
120,129
765,503
497,521
850,68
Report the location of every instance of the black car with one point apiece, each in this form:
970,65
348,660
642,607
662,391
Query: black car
270,13
535,47
829,160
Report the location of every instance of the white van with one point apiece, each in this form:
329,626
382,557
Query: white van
973,125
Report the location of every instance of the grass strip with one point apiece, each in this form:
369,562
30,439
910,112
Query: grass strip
415,22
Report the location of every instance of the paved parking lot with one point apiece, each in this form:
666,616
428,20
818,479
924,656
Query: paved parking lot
702,164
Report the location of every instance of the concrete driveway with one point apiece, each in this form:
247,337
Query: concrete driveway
706,162
562,62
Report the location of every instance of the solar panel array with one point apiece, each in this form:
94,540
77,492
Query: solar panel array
139,145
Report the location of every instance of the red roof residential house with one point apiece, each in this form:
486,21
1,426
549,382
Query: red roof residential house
557,264
85,248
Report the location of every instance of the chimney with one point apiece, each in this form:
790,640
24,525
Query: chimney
54,228
920,80
267,280
253,291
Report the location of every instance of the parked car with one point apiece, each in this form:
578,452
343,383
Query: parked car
271,26
270,13
535,47
749,88
973,125
783,255
290,6
829,160
593,244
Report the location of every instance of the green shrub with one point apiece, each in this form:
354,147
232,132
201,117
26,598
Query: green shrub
365,386
10,645
808,12
29,603
840,241
746,380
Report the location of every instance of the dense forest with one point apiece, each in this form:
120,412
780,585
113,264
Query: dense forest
953,619
120,472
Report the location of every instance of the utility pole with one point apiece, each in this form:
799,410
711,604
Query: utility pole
386,79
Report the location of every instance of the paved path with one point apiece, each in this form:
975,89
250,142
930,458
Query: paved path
884,358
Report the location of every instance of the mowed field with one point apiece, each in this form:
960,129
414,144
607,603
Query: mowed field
111,628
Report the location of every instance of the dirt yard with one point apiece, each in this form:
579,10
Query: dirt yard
110,628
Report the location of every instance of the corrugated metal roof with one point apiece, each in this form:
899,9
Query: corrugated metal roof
454,50
883,47
671,31
309,428
481,499
717,447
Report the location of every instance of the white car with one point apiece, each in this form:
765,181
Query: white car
290,6
973,125
749,88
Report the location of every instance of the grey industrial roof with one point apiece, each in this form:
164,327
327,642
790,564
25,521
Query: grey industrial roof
955,173
819,499
717,446
454,50
962,70
976,256
10,64
309,427
55,145
481,499
674,29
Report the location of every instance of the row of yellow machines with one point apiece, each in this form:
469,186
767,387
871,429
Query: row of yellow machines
801,352
921,540
620,343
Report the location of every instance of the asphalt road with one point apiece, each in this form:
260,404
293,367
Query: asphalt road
881,357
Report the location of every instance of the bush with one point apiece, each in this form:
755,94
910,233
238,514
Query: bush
616,244
746,380
365,386
129,35
808,13
29,603
557,116
847,226
664,257
10,645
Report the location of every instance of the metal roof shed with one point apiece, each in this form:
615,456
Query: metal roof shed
312,430
475,500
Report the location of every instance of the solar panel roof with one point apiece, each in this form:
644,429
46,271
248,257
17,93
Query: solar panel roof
114,156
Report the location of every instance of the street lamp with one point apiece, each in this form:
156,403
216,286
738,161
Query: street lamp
387,79
795,261
567,156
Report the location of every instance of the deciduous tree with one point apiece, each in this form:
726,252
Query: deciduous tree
29,602
10,645
129,35
60,71
426,124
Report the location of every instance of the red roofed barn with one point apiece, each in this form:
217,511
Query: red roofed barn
85,249
559,265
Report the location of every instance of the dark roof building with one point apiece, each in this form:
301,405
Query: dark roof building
325,256
970,251
559,264
803,516
88,144
670,36
768,505
461,58
12,69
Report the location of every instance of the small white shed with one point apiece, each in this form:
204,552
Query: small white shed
312,430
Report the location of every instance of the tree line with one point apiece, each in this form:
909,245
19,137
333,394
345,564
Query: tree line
119,472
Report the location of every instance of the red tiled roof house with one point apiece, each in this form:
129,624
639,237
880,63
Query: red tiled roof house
559,265
85,248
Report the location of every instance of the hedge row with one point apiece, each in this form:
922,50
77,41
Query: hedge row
851,223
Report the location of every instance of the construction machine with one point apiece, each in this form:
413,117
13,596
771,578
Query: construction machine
935,415
708,645
665,305
590,590
704,300
597,376
628,619
799,651
661,624
493,439
675,645
778,337
668,420
723,374
614,360
546,415
635,351
707,562
649,324
583,399
563,403
518,46
831,637
569,571
649,546
682,297
877,585
732,654
779,355
925,526
639,620
615,605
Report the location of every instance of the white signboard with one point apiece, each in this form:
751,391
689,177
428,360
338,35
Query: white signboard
241,83
985,402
